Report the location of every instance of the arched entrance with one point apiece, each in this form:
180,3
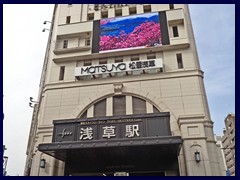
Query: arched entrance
117,131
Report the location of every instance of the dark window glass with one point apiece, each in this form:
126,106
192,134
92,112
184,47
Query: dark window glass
179,61
139,105
133,10
171,6
103,61
65,44
91,16
155,110
147,8
84,115
100,108
68,19
105,14
151,56
118,12
175,31
61,74
119,105
118,59
87,63
135,58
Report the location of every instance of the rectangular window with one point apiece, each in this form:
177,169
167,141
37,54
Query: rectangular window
135,58
100,108
61,74
118,59
87,41
87,63
147,8
91,16
171,6
68,19
119,105
139,105
105,14
175,31
133,10
179,61
103,61
118,12
151,56
65,44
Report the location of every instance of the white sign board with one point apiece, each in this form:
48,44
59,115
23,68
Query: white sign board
118,67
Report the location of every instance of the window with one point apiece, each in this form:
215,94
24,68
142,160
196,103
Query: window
103,61
155,110
91,16
87,63
171,6
84,115
175,31
68,19
151,56
65,44
147,8
61,74
119,105
100,108
118,12
105,14
133,10
118,59
139,105
87,41
179,61
135,58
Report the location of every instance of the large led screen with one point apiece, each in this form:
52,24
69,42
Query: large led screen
137,31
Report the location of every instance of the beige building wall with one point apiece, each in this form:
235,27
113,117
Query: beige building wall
179,91
228,142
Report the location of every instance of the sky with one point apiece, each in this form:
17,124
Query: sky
24,46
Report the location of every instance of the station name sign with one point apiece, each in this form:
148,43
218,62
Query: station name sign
126,127
118,67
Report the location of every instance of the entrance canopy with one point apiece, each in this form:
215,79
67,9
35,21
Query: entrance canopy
142,154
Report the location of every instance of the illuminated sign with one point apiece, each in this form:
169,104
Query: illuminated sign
130,32
118,67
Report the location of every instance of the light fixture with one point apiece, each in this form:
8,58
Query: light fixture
30,104
42,163
197,156
31,99
45,22
45,29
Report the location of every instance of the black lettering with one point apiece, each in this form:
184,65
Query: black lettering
109,70
91,69
97,69
84,70
103,68
122,66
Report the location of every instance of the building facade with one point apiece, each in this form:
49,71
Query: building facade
122,93
228,143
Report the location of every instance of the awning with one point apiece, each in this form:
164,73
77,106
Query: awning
145,153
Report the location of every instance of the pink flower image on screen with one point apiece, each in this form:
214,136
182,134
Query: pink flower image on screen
146,34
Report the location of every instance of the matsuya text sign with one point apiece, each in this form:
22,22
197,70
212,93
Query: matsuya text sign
118,67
